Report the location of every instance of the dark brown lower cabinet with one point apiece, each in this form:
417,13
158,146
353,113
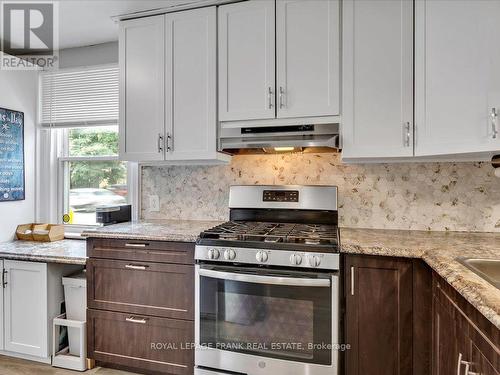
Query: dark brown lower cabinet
140,298
449,339
379,313
148,343
140,287
401,318
464,341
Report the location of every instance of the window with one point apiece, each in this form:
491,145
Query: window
79,107
92,174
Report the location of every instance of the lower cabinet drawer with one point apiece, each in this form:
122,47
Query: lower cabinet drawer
147,343
138,250
164,290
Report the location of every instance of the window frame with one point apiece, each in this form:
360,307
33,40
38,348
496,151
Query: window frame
63,161
52,150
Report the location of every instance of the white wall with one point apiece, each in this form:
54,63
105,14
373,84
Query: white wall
105,53
19,92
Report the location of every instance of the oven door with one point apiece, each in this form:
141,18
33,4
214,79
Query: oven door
259,321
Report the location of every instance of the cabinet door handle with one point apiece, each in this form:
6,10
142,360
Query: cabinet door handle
467,365
4,277
407,134
352,281
133,319
494,120
135,244
170,143
282,94
270,97
459,364
160,143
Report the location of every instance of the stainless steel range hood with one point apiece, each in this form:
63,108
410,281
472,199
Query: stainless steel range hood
253,138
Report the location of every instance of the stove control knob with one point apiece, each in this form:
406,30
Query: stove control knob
261,256
229,254
314,261
295,259
213,254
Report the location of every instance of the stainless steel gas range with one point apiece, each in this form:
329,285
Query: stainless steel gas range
267,284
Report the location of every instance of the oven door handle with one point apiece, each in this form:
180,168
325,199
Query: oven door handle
258,279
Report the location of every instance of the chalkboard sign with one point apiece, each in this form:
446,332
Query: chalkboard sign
11,155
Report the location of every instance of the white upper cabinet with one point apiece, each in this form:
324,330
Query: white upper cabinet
247,61
377,105
191,88
168,88
308,62
142,50
457,76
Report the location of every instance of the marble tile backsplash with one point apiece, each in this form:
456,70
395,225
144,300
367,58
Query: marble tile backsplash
417,196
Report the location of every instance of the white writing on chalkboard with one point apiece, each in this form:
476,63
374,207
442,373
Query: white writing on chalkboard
11,155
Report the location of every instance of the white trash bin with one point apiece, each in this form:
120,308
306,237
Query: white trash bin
75,295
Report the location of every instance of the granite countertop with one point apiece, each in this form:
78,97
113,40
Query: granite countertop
439,250
154,230
65,251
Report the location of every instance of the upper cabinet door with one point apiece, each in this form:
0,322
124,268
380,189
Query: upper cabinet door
142,124
377,78
247,61
191,89
308,58
457,76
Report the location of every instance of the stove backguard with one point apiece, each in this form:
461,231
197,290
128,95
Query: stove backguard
284,215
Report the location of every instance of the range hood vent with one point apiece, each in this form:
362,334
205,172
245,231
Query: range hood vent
242,138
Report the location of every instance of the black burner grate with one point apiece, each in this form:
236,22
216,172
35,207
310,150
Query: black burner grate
308,234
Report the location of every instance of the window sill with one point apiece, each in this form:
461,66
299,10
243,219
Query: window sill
74,236
74,231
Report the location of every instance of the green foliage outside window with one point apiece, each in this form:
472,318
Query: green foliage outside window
93,142
95,174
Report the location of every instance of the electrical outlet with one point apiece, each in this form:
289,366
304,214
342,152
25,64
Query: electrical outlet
154,203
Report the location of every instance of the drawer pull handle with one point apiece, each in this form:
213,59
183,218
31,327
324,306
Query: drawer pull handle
136,320
135,267
135,245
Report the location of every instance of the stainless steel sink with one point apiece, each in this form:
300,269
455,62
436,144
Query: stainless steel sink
488,269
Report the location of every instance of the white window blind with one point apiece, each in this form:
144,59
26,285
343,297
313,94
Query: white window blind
83,97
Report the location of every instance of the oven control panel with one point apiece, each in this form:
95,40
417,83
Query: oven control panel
280,196
281,258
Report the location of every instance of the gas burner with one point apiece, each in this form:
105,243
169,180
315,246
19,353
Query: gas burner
272,235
